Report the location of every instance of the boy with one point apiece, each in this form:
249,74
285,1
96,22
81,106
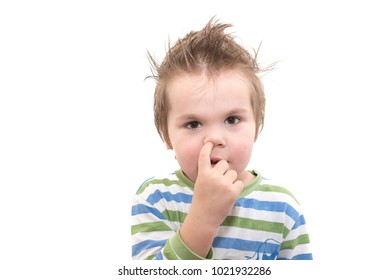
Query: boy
209,108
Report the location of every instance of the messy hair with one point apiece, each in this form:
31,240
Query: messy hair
208,51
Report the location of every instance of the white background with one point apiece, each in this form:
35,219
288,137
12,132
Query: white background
77,134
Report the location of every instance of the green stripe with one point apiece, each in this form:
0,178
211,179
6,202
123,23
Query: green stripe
285,232
185,181
174,216
149,227
253,185
168,251
253,224
273,188
291,244
166,182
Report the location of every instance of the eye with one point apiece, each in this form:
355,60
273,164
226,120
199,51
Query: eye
193,125
232,120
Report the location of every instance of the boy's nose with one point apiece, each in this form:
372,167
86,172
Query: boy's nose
215,137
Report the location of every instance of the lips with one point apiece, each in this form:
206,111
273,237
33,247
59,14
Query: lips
215,160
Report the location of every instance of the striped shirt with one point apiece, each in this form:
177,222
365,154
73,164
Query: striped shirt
266,222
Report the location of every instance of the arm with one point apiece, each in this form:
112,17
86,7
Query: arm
296,243
149,229
216,190
154,235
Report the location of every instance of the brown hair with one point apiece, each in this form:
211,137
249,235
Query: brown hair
208,50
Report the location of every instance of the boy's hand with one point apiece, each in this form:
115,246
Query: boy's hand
216,189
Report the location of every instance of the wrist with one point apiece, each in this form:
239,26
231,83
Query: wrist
197,235
183,252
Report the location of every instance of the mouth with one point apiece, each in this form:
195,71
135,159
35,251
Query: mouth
214,161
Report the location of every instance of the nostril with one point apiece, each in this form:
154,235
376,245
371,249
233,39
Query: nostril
217,141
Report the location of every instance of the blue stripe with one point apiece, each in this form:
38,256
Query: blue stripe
147,244
159,256
303,257
234,243
273,206
158,195
143,209
298,222
261,205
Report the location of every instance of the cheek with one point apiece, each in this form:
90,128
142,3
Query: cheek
242,150
187,158
187,153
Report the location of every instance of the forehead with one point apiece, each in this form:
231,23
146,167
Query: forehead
195,89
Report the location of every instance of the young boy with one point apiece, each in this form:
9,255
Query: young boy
209,108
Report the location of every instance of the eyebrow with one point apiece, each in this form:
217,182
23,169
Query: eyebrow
232,112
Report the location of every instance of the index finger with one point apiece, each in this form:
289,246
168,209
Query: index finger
205,155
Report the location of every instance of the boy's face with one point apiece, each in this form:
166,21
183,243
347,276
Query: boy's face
216,110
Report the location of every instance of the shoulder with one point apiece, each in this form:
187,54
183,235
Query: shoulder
163,190
160,180
270,196
172,183
270,189
271,185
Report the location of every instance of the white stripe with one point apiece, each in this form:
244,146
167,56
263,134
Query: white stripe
258,214
246,234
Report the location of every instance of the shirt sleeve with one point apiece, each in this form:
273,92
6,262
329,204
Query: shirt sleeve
153,236
296,243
